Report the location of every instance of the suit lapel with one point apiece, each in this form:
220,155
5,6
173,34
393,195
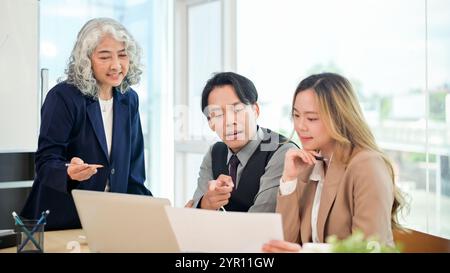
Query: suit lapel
331,184
95,116
120,118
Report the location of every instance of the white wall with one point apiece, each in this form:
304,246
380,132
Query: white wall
19,82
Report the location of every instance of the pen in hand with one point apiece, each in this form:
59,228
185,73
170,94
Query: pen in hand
321,158
78,170
90,165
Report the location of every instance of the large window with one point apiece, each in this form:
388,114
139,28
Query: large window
147,20
396,55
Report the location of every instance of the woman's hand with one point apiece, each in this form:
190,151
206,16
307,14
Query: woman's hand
277,246
298,162
80,171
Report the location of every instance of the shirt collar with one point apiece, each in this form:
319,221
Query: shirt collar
318,172
246,152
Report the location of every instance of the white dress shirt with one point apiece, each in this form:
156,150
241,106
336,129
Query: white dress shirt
106,108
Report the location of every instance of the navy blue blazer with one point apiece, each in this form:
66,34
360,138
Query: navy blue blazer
72,126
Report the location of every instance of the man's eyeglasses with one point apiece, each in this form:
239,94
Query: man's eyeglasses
218,114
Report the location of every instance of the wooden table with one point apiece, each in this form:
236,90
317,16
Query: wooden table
64,241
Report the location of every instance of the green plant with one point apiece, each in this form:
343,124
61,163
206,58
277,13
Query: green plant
357,243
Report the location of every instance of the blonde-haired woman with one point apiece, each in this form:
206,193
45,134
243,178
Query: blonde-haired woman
340,181
91,121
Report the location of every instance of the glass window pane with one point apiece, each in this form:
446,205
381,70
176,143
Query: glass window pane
192,168
204,59
439,116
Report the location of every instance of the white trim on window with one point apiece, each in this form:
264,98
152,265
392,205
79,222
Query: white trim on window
160,165
183,145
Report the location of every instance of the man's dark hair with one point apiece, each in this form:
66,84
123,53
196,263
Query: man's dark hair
244,88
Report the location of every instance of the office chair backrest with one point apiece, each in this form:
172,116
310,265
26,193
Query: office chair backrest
414,241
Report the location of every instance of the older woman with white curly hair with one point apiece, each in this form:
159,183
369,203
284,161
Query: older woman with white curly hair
90,136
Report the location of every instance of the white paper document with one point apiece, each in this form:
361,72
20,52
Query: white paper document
199,230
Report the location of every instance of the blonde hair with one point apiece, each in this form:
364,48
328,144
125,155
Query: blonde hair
79,70
344,120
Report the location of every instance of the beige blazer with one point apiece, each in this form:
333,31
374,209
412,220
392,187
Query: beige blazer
356,195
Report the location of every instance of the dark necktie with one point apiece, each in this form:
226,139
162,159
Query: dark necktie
233,164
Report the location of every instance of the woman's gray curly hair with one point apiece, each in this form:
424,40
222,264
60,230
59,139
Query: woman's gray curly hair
79,70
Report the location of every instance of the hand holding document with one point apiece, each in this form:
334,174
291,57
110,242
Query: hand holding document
212,231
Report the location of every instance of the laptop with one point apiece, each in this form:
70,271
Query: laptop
115,222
